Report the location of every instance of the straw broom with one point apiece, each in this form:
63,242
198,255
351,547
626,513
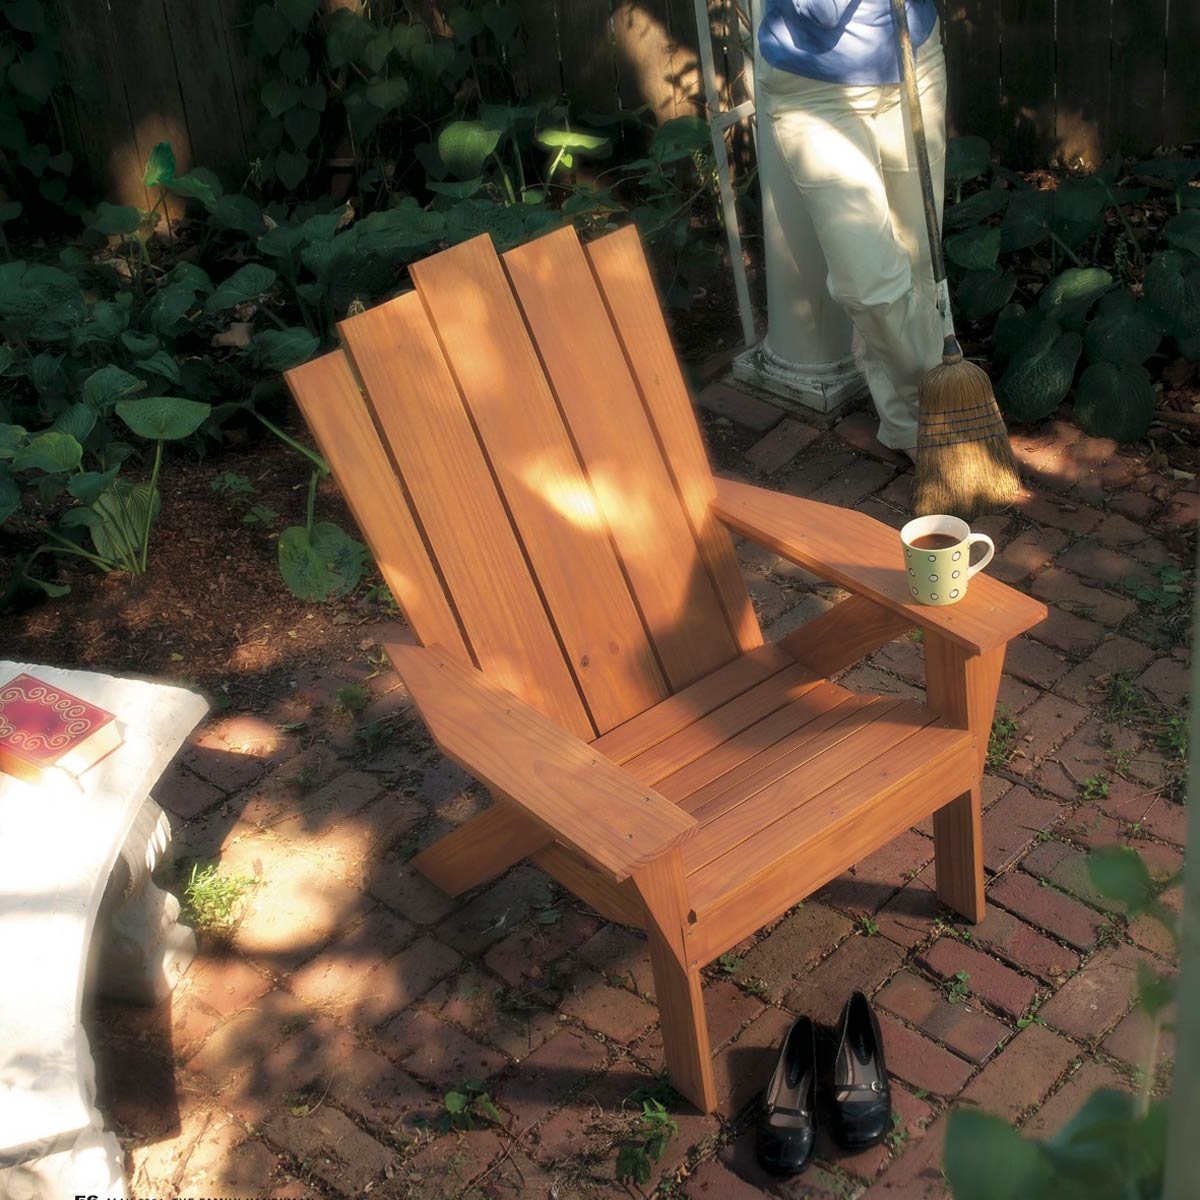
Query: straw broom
965,464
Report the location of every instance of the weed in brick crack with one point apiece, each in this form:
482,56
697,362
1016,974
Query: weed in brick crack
1002,742
652,1132
959,987
897,1135
868,925
1094,787
212,902
729,964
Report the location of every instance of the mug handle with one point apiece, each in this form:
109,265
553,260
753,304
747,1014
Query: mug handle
987,558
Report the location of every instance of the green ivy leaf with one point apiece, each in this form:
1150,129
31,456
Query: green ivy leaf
456,191
464,147
388,94
113,219
34,75
246,283
10,210
160,166
313,97
302,125
278,96
298,13
280,349
49,451
26,15
320,565
271,29
346,37
294,62
163,418
291,168
377,51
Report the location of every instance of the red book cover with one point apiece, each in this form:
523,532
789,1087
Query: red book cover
44,726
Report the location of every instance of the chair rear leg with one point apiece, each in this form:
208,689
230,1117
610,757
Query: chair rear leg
958,854
677,982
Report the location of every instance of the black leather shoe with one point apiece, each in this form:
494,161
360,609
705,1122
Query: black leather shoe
785,1130
860,1102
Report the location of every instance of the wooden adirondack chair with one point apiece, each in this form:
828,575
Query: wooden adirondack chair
517,445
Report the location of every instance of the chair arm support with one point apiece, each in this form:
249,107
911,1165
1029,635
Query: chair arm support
577,794
863,555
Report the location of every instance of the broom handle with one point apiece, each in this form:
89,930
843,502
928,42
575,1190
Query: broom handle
951,351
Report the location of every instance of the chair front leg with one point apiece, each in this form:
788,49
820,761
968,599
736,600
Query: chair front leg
677,983
962,687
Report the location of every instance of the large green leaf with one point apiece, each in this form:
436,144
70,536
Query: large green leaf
79,420
160,166
1070,295
966,158
1026,220
976,249
87,486
680,138
1014,327
12,438
1184,231
1126,336
165,418
49,451
1080,201
238,213
166,313
1039,375
987,1159
981,293
280,349
161,363
464,147
198,184
586,145
120,517
10,496
109,384
322,565
246,283
112,219
1115,401
140,345
1172,291
974,209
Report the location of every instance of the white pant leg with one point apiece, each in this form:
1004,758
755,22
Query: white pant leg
849,153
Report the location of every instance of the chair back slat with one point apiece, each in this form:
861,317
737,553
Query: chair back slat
553,508
421,416
623,275
588,371
329,397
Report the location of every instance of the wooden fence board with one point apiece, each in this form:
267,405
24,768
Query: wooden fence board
1182,114
1027,79
1139,55
972,39
585,44
689,81
645,56
542,65
1082,126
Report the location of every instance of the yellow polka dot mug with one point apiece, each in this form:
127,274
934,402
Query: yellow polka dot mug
937,558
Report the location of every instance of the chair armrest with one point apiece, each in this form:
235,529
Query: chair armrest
863,555
577,794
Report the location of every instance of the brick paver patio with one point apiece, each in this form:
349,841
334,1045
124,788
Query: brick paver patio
311,1057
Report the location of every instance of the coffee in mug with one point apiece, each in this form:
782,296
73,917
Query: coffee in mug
937,558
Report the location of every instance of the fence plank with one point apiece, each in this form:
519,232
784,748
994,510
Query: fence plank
972,41
1026,129
92,66
689,81
1182,115
209,89
588,67
541,41
1138,68
645,59
1083,128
